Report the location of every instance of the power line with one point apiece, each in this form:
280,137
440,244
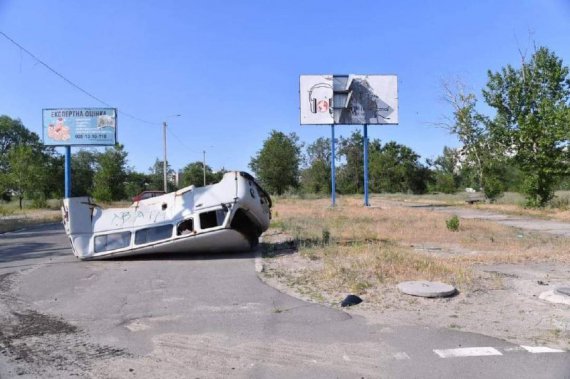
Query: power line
169,130
68,81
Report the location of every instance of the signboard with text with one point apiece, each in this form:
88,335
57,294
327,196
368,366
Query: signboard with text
79,126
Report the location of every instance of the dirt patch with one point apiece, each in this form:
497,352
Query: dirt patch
44,345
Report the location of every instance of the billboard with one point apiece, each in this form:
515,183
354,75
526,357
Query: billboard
349,99
79,126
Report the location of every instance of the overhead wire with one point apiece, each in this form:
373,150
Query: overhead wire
171,132
71,83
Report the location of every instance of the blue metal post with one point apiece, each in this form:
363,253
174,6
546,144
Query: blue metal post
68,171
366,204
333,174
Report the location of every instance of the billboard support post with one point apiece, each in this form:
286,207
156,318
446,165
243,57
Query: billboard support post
164,165
366,203
67,171
333,174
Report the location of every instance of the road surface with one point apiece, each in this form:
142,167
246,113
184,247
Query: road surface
184,316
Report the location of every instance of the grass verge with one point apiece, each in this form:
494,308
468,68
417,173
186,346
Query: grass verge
358,250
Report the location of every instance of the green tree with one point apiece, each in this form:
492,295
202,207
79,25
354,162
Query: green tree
53,185
26,170
135,183
110,174
350,177
316,178
532,121
193,174
83,164
14,133
156,176
447,171
276,165
482,155
396,168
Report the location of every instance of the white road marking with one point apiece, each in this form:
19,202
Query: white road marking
467,352
401,355
541,349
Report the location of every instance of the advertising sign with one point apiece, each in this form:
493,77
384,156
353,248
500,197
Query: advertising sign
79,126
316,99
356,99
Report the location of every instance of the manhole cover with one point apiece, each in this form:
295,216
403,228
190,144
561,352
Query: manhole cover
563,291
426,289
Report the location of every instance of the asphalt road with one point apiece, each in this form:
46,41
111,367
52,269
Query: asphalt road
185,316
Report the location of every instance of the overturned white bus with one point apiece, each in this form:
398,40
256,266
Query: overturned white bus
226,216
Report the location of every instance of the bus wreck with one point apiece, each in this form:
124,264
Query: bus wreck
224,217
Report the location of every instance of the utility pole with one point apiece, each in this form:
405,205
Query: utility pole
164,161
204,165
164,164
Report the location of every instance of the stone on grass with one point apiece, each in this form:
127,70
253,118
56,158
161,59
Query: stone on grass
350,300
423,288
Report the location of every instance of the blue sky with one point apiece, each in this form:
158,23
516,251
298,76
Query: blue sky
231,68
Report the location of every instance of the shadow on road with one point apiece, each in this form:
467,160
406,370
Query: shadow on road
182,257
34,243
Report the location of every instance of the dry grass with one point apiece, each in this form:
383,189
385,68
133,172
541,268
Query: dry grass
23,219
359,248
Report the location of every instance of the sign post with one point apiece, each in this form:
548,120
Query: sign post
366,203
78,127
333,174
67,171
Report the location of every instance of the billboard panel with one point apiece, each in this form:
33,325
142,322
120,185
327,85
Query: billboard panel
356,99
316,96
79,126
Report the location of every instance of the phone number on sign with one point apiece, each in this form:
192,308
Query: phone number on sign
91,136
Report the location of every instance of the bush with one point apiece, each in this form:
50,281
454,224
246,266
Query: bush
453,223
326,236
445,183
493,188
39,202
6,196
562,203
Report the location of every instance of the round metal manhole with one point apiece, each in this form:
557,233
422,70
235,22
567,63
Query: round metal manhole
565,291
424,288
